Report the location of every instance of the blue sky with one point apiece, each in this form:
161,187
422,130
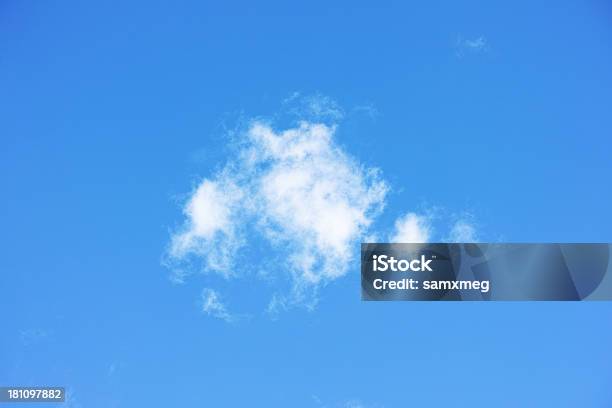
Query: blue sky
112,114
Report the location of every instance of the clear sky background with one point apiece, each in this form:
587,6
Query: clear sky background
111,113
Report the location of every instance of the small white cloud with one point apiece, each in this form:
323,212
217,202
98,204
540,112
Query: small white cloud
210,230
113,368
213,306
474,46
368,109
314,107
462,231
411,228
276,305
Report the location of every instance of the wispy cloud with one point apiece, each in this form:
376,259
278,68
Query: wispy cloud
32,336
213,305
367,109
475,45
351,403
314,107
113,368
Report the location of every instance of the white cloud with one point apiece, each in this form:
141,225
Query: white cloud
314,107
411,228
462,231
213,306
474,46
113,368
296,188
210,230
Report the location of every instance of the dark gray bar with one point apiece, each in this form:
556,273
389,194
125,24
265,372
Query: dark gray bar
483,271
32,394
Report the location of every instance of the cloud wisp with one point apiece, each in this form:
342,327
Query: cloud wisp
213,305
476,45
